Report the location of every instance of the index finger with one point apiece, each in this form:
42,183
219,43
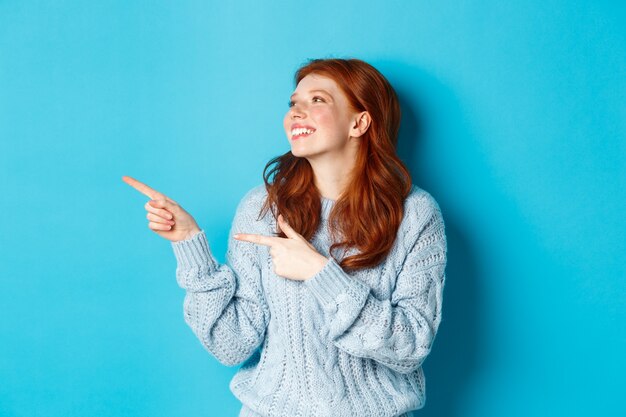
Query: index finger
259,239
142,188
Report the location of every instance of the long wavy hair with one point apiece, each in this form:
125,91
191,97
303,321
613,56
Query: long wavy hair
367,215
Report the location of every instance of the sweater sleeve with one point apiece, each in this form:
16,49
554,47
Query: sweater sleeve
396,332
224,303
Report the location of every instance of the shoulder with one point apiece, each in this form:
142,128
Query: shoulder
420,203
255,196
249,207
421,212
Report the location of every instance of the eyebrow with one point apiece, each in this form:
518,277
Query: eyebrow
313,91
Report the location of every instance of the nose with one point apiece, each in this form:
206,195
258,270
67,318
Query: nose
295,111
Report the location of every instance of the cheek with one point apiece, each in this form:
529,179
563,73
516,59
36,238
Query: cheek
286,122
323,117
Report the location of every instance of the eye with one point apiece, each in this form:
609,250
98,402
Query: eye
290,103
318,97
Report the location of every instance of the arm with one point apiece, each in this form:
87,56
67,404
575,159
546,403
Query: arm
397,332
224,305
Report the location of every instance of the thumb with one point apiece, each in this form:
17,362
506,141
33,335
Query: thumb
284,226
165,204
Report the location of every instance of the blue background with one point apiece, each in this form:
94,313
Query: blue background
514,119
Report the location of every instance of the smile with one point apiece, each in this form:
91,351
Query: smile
301,132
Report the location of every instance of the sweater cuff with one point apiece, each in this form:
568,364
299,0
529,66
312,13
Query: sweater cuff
332,287
194,252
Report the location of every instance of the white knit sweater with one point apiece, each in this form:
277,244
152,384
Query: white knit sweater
337,344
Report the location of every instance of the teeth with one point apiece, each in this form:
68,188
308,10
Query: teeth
300,131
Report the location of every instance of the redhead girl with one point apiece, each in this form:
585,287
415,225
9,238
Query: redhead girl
331,295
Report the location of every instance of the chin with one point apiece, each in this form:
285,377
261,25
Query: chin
307,150
297,153
298,150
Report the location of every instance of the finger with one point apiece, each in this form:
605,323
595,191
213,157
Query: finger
258,239
141,187
158,211
158,226
168,205
284,226
144,189
157,219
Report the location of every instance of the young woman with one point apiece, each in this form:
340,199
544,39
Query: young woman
332,292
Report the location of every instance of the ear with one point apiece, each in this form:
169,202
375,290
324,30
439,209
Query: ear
360,124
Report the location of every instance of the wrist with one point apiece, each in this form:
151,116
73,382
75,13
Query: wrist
320,263
191,233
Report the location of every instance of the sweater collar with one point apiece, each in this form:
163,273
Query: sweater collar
327,205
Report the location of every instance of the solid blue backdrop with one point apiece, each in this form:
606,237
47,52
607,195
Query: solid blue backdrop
513,119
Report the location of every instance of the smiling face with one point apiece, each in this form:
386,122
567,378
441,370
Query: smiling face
320,120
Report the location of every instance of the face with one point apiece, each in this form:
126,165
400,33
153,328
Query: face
319,120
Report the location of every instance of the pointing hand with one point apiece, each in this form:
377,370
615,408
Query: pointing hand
167,218
293,257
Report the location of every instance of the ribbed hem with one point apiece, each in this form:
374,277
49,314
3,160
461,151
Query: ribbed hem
331,285
194,252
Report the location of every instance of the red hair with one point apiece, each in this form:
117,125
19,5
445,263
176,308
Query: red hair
368,213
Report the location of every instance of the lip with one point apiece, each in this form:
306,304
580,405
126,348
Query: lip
297,125
304,135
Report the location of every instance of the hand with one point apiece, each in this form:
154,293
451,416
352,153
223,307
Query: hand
293,257
167,218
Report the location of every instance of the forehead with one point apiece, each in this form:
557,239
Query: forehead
317,82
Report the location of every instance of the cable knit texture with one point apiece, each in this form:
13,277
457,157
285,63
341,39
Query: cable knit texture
337,344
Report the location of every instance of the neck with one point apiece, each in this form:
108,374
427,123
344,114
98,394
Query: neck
332,174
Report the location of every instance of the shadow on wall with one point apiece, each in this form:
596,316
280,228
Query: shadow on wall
430,114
